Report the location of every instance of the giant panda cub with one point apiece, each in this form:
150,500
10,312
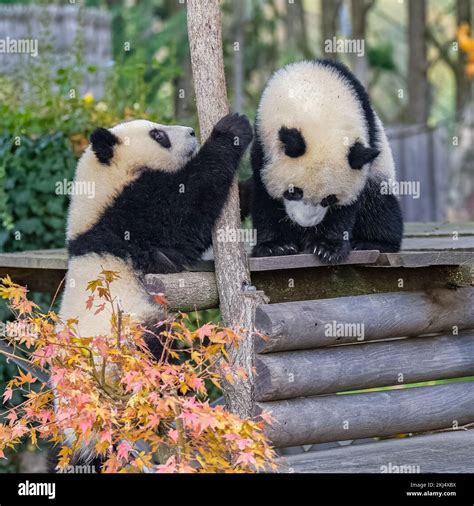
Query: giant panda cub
156,199
319,158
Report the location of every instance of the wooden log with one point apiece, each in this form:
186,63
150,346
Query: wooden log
185,291
311,420
311,324
345,280
443,452
287,375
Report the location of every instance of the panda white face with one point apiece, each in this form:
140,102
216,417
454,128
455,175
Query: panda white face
117,156
142,143
314,139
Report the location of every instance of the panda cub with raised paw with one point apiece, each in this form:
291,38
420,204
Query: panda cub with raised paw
320,160
156,199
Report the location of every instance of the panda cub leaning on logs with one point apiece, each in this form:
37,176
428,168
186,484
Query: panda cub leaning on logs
157,197
320,162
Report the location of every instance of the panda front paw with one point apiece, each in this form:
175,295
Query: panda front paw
273,248
236,126
330,251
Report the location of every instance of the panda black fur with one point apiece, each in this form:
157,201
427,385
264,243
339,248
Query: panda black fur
319,157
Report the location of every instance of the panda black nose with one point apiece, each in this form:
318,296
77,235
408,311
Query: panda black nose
294,193
330,200
192,133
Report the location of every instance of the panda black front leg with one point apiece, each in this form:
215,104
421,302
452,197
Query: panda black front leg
331,240
330,250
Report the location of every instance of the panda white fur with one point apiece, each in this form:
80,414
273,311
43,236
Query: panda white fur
156,197
319,156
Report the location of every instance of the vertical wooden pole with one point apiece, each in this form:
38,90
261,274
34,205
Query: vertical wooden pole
232,272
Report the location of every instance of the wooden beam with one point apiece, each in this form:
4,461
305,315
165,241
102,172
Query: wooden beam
462,243
309,324
443,452
412,259
287,375
258,264
322,419
438,229
346,280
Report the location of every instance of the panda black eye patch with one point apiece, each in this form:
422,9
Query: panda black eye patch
161,137
293,142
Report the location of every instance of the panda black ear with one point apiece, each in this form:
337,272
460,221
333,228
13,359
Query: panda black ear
103,142
359,155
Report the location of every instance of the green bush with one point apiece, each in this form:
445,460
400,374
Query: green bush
34,214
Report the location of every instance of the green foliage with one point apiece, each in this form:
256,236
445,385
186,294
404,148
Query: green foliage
35,216
381,57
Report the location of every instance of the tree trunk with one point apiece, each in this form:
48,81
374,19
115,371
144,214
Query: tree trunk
238,61
418,86
463,86
359,12
232,271
329,26
296,32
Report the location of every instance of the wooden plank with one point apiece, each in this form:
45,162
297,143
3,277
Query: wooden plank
307,260
41,259
57,259
309,324
434,229
462,243
443,452
425,258
286,375
311,420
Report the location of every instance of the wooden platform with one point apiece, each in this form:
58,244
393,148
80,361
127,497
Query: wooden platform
447,452
438,256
